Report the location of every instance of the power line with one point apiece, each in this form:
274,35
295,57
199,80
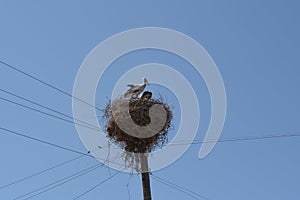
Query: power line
48,114
70,95
235,139
195,142
41,172
247,138
94,187
45,142
179,188
55,145
59,182
46,84
46,107
127,185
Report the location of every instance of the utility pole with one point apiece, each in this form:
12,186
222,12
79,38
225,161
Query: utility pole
145,177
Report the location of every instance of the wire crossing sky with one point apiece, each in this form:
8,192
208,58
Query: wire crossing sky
62,181
255,46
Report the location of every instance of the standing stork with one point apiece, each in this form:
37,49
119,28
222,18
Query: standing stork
136,89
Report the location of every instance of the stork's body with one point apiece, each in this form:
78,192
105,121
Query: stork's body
135,89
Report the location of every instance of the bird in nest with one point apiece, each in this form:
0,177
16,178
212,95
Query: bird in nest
146,95
136,89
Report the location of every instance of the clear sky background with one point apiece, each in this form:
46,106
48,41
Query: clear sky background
255,45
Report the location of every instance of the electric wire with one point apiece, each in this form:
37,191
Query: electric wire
246,138
41,172
59,182
65,93
75,151
236,139
94,187
45,83
46,170
46,107
157,178
55,145
196,142
44,142
127,185
70,95
179,188
183,143
48,114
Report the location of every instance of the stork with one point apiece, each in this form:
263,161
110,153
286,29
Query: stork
136,89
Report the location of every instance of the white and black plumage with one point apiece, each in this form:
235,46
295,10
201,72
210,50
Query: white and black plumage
135,89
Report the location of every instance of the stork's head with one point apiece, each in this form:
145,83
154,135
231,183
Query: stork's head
145,81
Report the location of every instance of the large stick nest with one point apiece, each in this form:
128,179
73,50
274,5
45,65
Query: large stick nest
139,113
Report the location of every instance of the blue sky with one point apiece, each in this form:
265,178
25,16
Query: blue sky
254,45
